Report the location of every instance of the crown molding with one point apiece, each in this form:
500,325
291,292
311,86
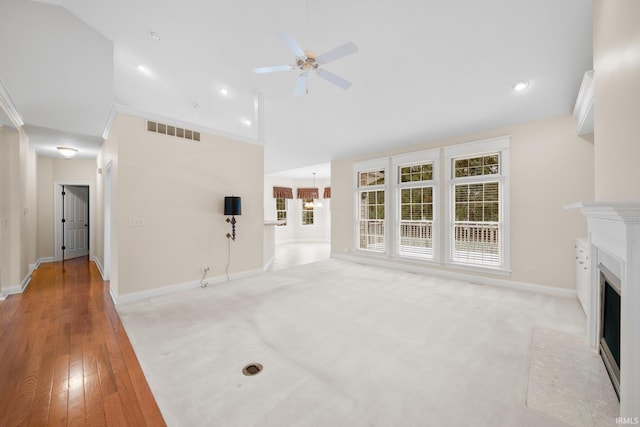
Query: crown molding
9,107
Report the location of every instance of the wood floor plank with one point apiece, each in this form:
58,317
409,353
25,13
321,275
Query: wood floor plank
65,356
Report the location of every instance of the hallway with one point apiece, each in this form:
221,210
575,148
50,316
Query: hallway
65,358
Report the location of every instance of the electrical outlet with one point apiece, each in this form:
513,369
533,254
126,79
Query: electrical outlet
205,268
529,271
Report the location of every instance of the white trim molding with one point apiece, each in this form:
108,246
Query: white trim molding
471,278
98,264
179,287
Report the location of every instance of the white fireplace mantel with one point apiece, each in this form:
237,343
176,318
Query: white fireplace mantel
614,236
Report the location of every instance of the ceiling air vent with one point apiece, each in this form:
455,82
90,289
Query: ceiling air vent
156,127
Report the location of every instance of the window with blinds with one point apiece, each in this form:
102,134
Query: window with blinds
371,195
476,236
415,189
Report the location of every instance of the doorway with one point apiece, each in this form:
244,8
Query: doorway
72,221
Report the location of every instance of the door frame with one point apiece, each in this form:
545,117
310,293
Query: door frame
57,215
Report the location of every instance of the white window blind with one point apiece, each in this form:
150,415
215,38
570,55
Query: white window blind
415,196
477,204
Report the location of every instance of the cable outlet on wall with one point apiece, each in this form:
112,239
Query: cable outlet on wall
529,271
205,268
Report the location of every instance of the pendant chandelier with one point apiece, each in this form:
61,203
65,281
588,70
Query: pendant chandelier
313,204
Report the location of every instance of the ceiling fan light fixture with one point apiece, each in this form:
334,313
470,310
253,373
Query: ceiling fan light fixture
67,152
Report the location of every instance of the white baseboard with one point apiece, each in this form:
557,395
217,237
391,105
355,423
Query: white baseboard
98,264
15,289
269,263
279,242
482,280
179,287
114,298
2,296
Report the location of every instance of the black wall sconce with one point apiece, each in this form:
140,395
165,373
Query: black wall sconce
232,206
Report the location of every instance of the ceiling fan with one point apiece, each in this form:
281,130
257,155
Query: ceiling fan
307,61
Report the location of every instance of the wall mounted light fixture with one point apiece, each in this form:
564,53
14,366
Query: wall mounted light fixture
233,207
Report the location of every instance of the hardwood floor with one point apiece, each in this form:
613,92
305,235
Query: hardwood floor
65,358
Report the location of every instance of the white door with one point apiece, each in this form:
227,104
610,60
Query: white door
76,221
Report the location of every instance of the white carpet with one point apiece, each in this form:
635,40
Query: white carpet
344,344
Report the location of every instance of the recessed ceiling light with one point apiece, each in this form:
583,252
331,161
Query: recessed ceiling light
144,70
246,122
154,35
520,86
223,91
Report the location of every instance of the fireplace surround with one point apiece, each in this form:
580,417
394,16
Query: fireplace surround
614,239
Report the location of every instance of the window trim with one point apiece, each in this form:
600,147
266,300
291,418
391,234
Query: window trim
413,158
368,166
482,147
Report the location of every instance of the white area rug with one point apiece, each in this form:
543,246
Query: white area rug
344,344
568,381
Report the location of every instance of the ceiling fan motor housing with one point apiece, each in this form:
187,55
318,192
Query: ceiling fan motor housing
307,63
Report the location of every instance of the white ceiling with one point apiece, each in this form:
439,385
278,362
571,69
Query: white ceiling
425,69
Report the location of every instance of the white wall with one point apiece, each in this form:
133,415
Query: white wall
294,231
168,196
550,167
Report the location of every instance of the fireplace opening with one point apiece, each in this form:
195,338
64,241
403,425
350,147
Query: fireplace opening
610,325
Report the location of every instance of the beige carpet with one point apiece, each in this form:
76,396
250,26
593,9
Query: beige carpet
568,381
344,344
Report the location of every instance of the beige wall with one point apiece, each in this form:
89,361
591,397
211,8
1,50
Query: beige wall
52,173
17,209
617,99
550,167
174,189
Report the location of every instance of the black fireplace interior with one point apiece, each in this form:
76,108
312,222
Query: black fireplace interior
610,335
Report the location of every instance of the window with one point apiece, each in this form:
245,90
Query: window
416,203
281,209
477,204
307,211
370,199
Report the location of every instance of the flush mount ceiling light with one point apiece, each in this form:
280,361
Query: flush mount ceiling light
67,152
521,86
223,91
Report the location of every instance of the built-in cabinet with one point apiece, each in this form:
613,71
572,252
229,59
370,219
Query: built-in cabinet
583,273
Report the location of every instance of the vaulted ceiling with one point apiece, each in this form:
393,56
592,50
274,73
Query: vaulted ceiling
425,69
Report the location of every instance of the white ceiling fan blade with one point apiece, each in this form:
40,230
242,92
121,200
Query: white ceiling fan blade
332,78
263,70
301,84
294,47
337,53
